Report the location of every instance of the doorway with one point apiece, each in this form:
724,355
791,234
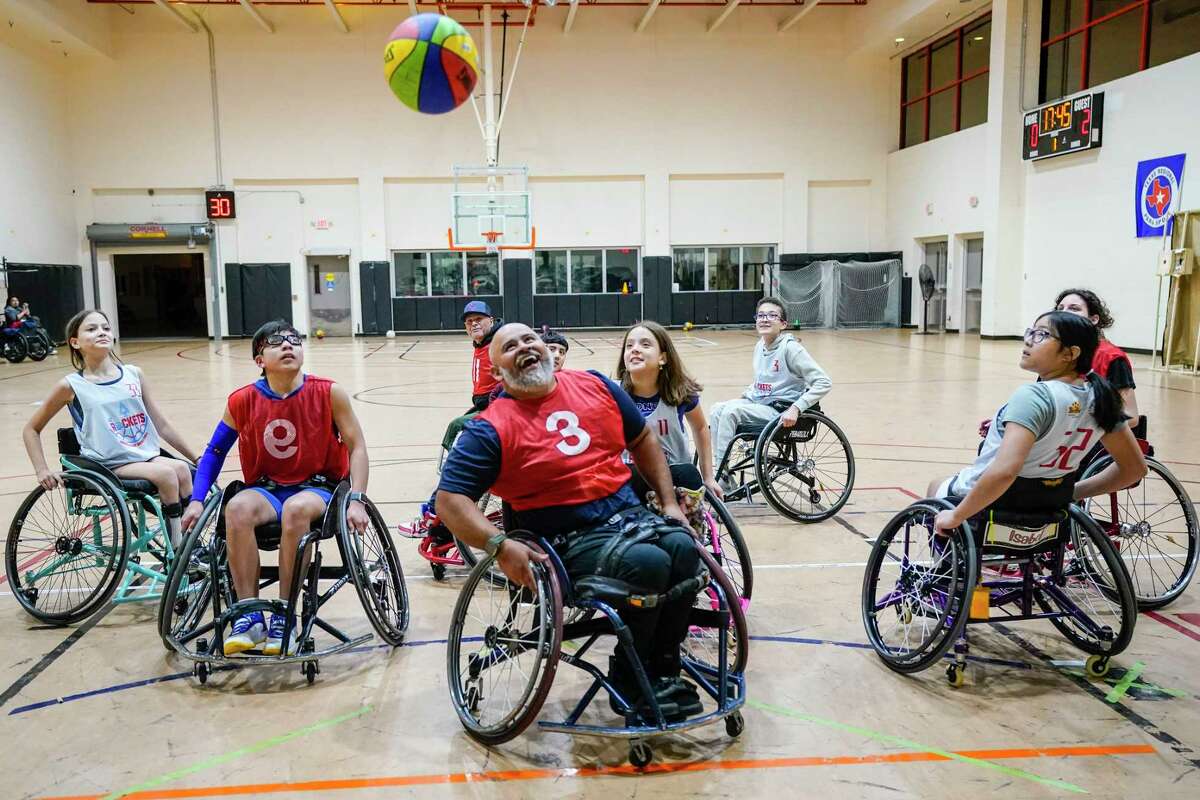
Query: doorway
972,285
329,284
160,295
937,257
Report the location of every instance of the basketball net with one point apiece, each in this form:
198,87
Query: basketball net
491,237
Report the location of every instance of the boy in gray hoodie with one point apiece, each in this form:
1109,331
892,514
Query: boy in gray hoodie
783,370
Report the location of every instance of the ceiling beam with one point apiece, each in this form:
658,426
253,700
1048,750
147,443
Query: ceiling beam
571,16
809,5
259,18
337,16
724,15
412,6
175,12
645,20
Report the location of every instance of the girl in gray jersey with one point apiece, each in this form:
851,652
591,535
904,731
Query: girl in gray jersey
651,371
783,371
116,421
1046,428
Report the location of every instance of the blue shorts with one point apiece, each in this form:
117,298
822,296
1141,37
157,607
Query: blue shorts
280,495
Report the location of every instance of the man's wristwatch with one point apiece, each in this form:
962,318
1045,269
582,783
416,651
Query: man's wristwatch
356,496
493,544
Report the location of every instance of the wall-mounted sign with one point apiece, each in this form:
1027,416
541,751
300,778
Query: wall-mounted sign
147,231
1064,126
220,204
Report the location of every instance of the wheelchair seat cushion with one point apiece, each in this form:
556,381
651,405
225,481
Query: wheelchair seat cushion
1018,530
131,486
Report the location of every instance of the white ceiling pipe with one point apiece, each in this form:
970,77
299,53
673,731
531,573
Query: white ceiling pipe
337,16
645,20
259,18
191,26
729,7
809,5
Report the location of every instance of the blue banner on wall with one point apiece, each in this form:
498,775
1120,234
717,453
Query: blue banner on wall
1156,193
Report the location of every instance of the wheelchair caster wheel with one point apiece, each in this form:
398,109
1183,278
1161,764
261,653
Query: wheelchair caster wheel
955,675
310,670
473,698
735,724
640,754
201,671
202,646
1096,666
439,572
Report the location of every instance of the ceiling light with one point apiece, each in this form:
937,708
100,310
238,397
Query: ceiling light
899,39
979,38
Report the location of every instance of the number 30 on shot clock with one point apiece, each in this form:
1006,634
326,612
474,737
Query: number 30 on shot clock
220,204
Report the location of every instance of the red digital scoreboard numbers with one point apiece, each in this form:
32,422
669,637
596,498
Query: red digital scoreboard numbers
220,204
1065,126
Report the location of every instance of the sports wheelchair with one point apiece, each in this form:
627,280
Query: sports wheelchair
505,644
1051,561
1152,524
805,472
199,604
73,548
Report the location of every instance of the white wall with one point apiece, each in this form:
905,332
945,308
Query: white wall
1079,212
605,119
37,215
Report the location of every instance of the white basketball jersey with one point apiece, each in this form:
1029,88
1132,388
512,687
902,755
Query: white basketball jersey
111,421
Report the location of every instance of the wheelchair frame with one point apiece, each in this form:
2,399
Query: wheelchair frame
128,580
724,682
305,596
765,466
1043,573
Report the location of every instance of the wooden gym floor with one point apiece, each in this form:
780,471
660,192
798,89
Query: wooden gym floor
101,710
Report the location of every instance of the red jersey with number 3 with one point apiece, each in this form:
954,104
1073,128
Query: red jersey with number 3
562,449
290,439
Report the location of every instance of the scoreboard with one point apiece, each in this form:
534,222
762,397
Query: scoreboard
1065,126
220,204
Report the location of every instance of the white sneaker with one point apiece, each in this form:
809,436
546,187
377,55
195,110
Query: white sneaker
275,637
248,633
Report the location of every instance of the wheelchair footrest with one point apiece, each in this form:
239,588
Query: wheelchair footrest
220,659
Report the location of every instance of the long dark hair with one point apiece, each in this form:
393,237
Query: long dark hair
72,330
675,385
1073,330
1095,306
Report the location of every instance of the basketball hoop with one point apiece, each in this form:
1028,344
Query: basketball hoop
490,237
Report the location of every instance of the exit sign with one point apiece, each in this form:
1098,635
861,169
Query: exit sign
220,204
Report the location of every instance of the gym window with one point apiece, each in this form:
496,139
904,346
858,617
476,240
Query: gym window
944,86
1089,42
444,273
586,271
725,268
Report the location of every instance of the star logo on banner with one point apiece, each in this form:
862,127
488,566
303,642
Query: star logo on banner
1159,196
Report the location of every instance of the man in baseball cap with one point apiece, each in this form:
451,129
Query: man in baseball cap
480,324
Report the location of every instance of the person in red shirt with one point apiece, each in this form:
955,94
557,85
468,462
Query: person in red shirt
1110,361
299,438
481,326
550,446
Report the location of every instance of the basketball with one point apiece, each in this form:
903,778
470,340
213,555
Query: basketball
431,63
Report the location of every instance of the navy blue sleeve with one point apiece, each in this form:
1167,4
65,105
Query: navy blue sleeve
631,418
474,463
688,405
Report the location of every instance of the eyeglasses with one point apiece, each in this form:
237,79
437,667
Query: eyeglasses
1038,335
771,316
276,339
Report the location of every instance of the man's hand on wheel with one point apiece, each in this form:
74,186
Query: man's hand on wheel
788,418
514,557
190,515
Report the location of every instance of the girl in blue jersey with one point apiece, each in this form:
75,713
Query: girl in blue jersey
653,374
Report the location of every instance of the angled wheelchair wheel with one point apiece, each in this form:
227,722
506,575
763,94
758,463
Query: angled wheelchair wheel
1091,590
37,348
736,470
502,651
492,508
15,348
728,547
1153,526
702,644
805,472
374,568
187,599
67,548
917,587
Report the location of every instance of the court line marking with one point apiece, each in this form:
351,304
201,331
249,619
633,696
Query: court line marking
887,738
1126,681
45,661
1170,623
980,757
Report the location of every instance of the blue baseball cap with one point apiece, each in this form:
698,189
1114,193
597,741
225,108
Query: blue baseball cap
477,307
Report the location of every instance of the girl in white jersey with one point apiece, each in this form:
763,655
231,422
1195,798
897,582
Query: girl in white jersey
115,419
1046,428
652,372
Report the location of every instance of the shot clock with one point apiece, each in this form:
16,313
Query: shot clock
1065,126
220,204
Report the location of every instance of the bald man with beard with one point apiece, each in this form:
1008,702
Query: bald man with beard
550,446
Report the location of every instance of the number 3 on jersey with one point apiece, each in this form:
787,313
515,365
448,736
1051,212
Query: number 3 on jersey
568,431
1062,459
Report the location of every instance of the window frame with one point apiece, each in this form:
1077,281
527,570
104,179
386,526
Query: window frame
955,84
604,251
741,265
1084,31
427,259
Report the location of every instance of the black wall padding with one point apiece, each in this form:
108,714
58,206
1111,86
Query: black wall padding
436,313
54,292
257,293
233,299
375,294
518,290
656,279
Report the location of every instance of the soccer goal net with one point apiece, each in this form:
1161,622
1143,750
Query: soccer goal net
843,294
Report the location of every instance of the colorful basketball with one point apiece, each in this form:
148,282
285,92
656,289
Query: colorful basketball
431,63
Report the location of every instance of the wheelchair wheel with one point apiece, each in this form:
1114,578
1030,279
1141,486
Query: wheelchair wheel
371,560
1153,525
36,347
737,469
15,348
702,643
805,472
188,594
1094,584
492,508
503,650
66,549
728,547
917,589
